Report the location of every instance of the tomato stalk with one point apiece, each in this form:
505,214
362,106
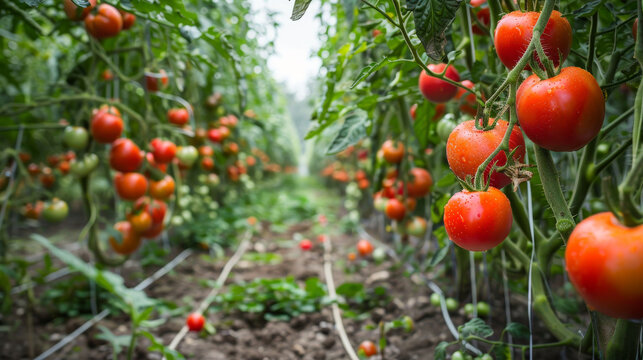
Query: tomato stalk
632,215
624,341
514,74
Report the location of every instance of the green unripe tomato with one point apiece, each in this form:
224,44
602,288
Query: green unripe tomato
82,167
55,211
408,323
452,304
457,355
445,126
468,309
76,137
379,254
486,357
187,155
602,149
483,308
435,299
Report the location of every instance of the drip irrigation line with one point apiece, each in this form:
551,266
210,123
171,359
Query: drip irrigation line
432,285
530,210
93,321
337,316
49,278
474,284
218,285
505,290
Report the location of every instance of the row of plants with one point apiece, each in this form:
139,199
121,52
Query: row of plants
510,128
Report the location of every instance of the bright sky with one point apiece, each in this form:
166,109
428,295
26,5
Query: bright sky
294,44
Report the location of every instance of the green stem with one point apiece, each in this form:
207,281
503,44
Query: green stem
592,42
521,218
553,192
623,343
631,214
514,74
583,181
132,343
381,12
614,123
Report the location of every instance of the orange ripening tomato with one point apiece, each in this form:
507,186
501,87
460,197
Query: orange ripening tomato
368,348
603,259
515,30
468,147
478,220
130,186
562,113
364,247
395,209
107,23
130,240
420,183
163,188
393,152
76,13
141,221
438,90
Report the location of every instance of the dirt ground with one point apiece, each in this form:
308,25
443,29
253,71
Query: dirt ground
241,336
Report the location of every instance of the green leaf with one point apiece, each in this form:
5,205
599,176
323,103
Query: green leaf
300,9
447,180
373,67
81,3
439,255
432,19
34,3
517,330
475,327
118,342
5,285
423,116
589,8
352,131
441,350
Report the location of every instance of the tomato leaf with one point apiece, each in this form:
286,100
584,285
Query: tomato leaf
422,123
300,9
371,68
517,330
441,351
589,8
439,255
80,3
432,19
353,130
475,327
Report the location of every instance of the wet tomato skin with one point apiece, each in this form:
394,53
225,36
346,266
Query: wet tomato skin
515,30
468,147
562,113
437,90
478,220
603,259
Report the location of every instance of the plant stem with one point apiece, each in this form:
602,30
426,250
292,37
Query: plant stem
132,343
623,343
631,214
592,42
553,192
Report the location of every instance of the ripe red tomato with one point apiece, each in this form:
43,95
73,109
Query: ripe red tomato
376,32
435,89
206,150
468,147
233,173
130,186
128,19
485,18
395,209
229,121
33,211
53,160
107,75
215,135
368,348
141,221
603,259
207,163
393,152
231,148
33,169
107,125
250,160
75,13
151,162
47,178
178,116
479,220
125,156
107,23
363,184
364,247
163,150
476,3
305,245
468,104
152,80
420,183
514,32
64,167
157,210
562,113
195,322
130,240
163,188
